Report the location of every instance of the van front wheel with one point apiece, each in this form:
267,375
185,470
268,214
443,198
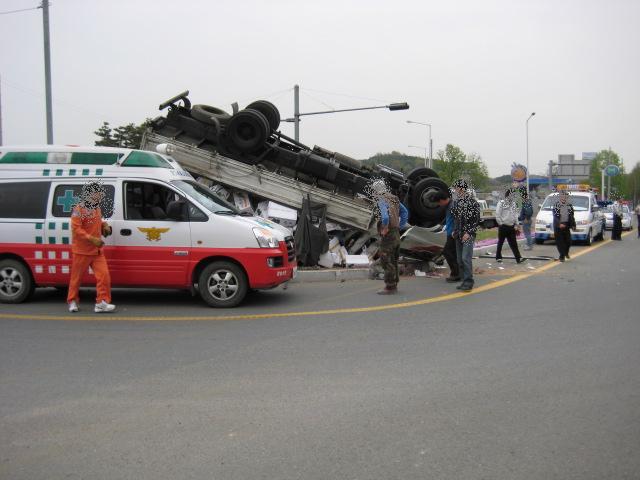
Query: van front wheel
223,284
16,284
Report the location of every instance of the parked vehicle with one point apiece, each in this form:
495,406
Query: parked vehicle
588,215
168,230
626,217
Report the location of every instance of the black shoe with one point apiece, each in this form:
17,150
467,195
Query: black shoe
522,260
561,259
466,287
567,256
499,260
452,279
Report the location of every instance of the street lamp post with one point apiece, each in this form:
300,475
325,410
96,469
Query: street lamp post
527,135
296,114
430,141
421,148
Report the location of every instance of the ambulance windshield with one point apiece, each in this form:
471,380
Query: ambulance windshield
206,198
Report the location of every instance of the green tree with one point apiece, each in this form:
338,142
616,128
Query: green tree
396,160
601,160
452,163
126,136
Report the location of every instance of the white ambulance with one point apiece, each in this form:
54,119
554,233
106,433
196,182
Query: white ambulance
168,230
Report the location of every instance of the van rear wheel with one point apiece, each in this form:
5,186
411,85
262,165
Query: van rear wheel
16,284
223,284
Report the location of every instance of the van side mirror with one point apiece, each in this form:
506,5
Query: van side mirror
177,210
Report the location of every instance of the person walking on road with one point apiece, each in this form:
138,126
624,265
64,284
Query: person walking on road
466,218
449,250
616,231
525,218
87,230
563,222
507,218
637,210
393,216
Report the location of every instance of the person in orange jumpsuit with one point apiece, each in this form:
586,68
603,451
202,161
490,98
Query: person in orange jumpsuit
87,229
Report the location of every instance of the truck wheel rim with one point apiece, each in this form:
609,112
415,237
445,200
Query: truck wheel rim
223,285
10,282
426,198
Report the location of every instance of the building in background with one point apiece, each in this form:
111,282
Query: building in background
568,166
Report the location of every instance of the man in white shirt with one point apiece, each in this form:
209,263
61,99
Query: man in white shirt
507,219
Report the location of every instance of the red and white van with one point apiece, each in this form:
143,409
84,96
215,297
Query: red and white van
168,230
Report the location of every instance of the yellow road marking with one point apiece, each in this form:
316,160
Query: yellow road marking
257,316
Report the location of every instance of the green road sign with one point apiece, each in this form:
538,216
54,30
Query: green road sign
612,170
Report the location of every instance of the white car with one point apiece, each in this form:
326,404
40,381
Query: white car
626,217
589,218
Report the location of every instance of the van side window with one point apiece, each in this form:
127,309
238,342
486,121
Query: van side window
147,201
66,196
24,199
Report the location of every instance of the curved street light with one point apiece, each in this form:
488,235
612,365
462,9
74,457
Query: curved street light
430,141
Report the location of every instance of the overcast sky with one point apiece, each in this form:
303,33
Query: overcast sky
474,69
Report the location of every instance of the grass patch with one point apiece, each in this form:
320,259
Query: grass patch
486,234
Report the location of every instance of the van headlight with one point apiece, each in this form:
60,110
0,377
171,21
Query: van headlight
583,222
265,238
539,221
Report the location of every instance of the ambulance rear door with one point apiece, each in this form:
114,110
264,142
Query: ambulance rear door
55,232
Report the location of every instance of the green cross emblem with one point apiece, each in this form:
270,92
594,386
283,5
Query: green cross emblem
67,201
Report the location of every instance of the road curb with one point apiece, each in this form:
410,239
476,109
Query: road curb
331,275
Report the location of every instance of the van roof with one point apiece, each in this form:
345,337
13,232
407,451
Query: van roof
68,161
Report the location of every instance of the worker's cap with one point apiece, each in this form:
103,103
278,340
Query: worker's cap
379,187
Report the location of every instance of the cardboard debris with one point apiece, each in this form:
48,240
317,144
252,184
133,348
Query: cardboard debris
420,273
285,216
242,202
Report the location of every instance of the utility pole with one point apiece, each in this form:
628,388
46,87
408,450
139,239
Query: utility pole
47,69
296,112
550,176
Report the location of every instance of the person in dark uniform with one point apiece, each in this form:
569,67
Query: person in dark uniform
393,216
466,215
563,222
449,250
616,231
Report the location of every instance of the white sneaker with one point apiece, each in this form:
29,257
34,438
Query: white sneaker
73,307
104,307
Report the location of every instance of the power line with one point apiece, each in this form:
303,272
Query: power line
21,10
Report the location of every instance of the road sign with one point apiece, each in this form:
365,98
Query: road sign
612,170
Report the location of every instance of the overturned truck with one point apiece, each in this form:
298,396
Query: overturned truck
210,142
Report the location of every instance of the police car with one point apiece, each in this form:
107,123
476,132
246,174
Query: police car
168,230
588,215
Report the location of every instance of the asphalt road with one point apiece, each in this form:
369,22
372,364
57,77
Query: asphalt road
534,376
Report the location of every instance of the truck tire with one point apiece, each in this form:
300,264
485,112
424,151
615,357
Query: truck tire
203,113
16,284
269,110
223,284
419,173
421,203
248,130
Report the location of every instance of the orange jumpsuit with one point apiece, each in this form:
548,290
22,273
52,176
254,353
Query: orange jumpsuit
86,224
